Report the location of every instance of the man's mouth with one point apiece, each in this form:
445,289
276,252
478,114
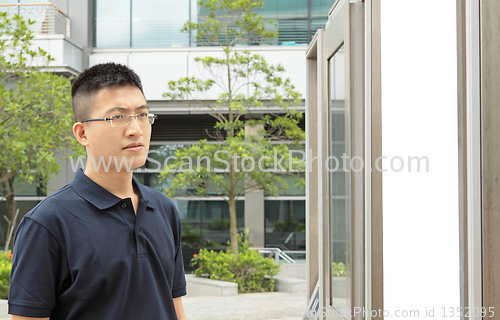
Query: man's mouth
136,146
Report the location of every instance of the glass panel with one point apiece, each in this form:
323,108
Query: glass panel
293,189
157,23
319,14
156,160
158,153
155,183
209,216
285,224
30,190
339,183
112,23
291,17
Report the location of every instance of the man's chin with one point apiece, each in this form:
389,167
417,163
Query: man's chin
138,163
130,163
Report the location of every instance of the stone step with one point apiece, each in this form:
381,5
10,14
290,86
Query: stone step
201,287
287,284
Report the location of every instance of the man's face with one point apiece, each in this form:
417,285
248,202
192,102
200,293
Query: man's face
105,141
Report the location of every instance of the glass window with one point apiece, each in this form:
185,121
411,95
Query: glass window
291,17
285,224
340,210
158,23
112,24
205,223
158,153
27,190
319,14
293,189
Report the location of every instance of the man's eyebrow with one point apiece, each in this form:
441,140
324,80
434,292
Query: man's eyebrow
120,108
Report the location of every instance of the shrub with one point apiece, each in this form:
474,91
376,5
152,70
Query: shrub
289,226
5,266
252,272
219,224
190,238
338,269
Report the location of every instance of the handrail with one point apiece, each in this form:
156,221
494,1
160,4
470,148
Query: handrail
278,253
33,4
50,21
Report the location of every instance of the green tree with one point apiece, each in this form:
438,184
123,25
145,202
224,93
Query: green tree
246,83
35,117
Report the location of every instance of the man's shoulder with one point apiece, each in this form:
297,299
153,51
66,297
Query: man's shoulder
63,199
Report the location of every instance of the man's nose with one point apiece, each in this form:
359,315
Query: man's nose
134,127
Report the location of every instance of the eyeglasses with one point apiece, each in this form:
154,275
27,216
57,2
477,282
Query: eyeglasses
121,120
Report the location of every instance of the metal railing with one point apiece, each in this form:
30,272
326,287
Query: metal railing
279,254
48,18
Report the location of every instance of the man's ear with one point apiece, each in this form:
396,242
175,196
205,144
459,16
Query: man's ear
80,133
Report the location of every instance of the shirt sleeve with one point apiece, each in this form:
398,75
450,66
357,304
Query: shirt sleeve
179,285
35,268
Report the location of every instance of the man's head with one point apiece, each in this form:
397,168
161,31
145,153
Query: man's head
100,94
100,76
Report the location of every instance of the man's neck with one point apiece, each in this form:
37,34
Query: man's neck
118,183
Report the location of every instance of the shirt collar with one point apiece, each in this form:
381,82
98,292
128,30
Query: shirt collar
102,198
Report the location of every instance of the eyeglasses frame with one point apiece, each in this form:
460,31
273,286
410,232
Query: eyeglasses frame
111,123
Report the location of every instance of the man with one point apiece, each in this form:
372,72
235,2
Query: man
104,246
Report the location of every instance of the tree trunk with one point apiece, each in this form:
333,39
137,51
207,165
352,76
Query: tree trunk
8,189
233,229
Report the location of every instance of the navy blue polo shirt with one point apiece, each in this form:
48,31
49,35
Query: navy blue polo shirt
82,253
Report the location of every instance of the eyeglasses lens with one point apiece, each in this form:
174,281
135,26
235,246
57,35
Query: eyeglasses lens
123,119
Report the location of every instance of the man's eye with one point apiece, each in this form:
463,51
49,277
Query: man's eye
117,117
142,115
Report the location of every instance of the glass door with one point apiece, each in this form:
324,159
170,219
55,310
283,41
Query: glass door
339,195
339,181
344,204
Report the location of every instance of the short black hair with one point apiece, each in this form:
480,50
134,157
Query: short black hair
100,76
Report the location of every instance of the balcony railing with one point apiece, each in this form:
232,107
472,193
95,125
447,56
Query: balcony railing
48,18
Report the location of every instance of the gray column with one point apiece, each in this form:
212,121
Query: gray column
254,207
254,217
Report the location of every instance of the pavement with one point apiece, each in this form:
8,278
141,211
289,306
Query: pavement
245,306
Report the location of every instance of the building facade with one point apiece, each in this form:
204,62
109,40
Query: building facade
147,37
